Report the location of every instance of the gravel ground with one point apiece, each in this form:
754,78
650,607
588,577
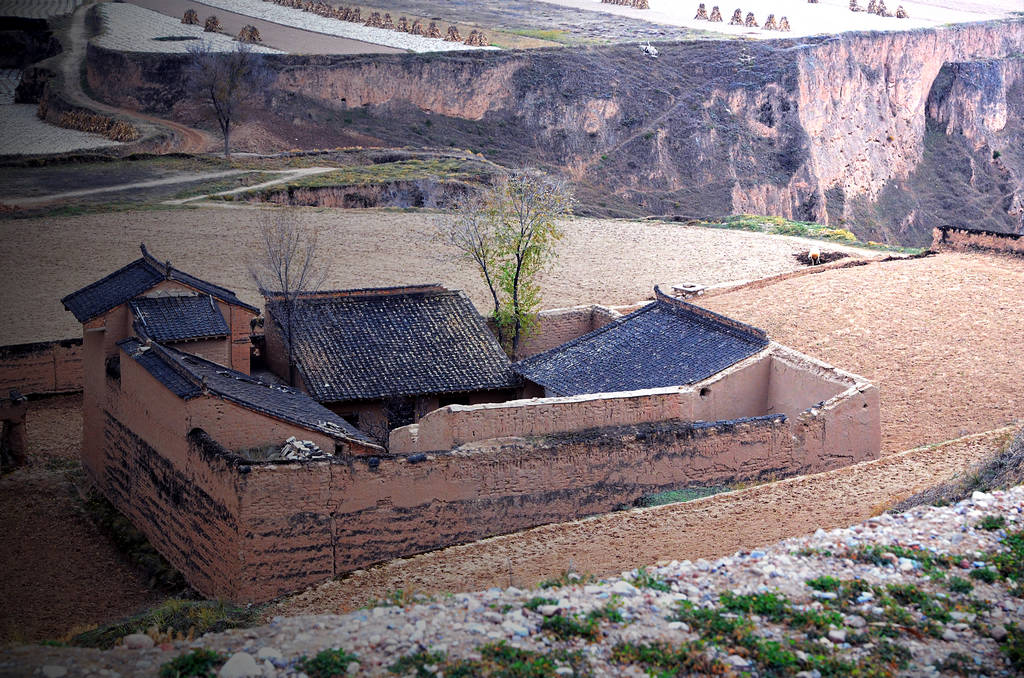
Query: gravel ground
894,594
26,134
600,261
346,29
130,28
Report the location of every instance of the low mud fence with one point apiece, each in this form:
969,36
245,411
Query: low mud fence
970,239
411,193
42,368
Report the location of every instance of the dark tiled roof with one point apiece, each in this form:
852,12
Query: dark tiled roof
186,376
164,371
134,279
179,318
666,343
368,344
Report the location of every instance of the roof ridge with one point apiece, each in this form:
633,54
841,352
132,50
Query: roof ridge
105,278
708,317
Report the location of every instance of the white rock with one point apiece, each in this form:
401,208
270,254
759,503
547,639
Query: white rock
736,660
855,621
949,635
624,588
547,610
269,653
564,671
138,641
54,671
241,665
998,633
837,635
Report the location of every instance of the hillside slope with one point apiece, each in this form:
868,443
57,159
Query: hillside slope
826,129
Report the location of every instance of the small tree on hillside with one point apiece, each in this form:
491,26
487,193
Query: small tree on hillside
509,234
288,264
222,81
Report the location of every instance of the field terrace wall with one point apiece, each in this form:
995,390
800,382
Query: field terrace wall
42,368
967,240
832,413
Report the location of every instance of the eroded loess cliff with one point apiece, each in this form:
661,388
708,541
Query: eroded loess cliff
845,130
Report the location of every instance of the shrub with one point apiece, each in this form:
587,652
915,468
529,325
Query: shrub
173,619
212,24
991,522
190,18
199,663
960,585
327,663
646,580
985,574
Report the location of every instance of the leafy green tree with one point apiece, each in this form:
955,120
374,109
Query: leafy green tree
510,234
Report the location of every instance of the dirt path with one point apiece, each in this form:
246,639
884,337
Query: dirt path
288,175
704,528
184,139
59,572
167,181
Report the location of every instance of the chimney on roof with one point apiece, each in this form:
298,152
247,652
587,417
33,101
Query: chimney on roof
167,269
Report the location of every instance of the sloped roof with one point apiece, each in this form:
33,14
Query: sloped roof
666,343
187,375
379,343
134,279
178,318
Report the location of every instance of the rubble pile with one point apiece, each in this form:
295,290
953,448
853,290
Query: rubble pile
933,591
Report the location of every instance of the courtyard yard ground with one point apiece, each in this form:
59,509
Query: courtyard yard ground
59,571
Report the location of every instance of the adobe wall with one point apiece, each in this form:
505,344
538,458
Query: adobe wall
778,380
42,368
214,350
559,325
966,239
293,525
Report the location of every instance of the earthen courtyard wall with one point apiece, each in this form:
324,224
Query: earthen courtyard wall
966,239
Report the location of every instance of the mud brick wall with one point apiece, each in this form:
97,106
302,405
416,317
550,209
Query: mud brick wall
966,239
40,368
468,494
304,523
180,513
559,325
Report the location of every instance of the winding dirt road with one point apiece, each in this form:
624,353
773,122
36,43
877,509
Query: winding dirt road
183,139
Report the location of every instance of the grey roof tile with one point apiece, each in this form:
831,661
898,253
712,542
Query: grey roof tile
369,344
666,343
187,376
179,318
134,279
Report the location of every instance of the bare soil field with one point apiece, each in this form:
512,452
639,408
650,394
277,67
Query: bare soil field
704,528
58,570
940,336
600,261
285,38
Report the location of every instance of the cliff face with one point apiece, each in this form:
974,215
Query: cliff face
838,130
